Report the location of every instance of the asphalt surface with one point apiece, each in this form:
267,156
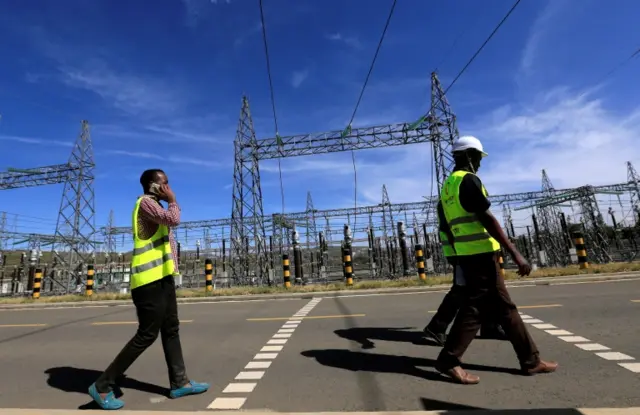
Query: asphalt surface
360,353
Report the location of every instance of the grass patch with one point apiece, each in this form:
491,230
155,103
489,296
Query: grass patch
364,285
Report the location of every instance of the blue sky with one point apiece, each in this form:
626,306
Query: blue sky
162,86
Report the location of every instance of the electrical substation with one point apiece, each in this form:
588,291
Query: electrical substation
257,248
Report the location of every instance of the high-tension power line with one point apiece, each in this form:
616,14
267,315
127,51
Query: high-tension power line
355,110
441,150
273,100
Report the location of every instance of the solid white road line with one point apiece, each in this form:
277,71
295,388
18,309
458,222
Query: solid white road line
262,360
436,291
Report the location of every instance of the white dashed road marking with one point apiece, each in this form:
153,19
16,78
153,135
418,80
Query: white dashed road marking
574,339
544,326
634,367
559,332
584,344
261,361
592,347
614,356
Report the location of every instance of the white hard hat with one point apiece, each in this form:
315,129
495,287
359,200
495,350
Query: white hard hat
468,142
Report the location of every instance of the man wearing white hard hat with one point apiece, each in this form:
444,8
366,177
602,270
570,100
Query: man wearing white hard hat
452,301
477,237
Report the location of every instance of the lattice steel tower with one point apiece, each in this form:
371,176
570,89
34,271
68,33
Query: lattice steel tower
634,180
75,229
437,127
248,235
550,228
110,236
442,124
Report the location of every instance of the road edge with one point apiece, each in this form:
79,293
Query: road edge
583,411
330,294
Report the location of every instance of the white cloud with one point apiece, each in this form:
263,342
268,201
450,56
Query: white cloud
538,32
136,95
169,159
350,41
577,140
181,135
132,94
38,141
191,129
298,77
197,9
254,29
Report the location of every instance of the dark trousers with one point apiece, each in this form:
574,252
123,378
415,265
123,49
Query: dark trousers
486,299
451,304
448,309
157,310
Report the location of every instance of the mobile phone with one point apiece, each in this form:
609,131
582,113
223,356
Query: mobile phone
154,188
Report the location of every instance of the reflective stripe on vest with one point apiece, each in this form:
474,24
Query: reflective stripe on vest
447,249
151,259
470,237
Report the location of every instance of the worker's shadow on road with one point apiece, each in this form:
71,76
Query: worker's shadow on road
72,379
384,363
366,335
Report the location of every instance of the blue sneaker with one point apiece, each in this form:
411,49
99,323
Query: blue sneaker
194,389
109,403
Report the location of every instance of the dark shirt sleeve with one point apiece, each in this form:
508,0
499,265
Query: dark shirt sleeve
471,197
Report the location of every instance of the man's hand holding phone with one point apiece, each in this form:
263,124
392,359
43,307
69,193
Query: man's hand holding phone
165,193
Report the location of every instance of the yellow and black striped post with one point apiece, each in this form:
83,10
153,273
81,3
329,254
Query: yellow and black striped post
501,263
348,266
420,263
37,283
90,274
286,271
581,250
208,274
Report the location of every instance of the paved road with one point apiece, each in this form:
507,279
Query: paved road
360,353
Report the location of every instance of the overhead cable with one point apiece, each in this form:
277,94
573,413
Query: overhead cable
464,68
475,55
273,100
347,130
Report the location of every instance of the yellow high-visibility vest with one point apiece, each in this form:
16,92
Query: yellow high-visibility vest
447,249
470,237
151,259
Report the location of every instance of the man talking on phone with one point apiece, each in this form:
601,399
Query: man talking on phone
154,261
